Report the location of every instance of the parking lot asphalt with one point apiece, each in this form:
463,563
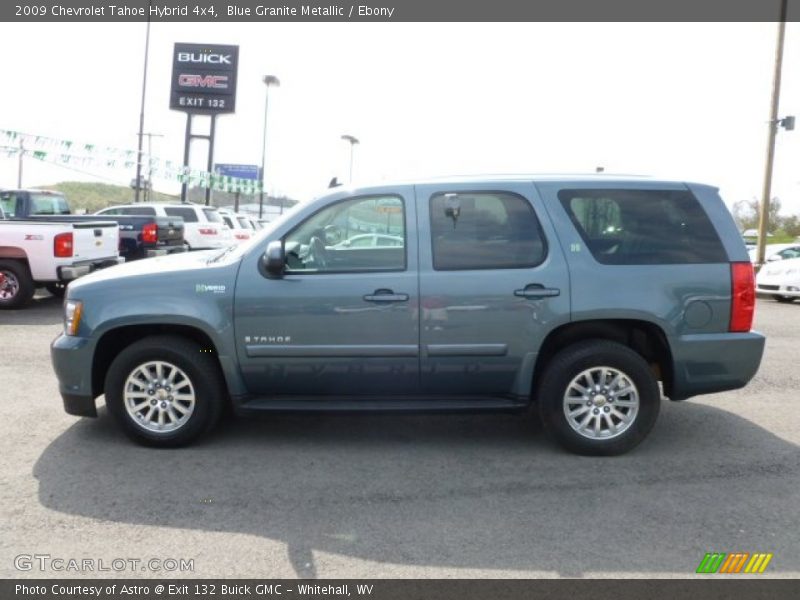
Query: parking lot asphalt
400,496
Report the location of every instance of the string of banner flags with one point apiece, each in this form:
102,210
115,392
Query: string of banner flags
68,152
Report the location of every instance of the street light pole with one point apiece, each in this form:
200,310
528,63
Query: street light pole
268,81
763,215
141,112
353,141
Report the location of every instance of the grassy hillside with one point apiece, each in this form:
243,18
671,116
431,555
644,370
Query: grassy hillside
95,196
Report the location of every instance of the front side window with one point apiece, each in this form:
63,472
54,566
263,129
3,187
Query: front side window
640,227
187,213
484,230
341,237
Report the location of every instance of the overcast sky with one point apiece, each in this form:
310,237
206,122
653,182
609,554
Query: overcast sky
687,101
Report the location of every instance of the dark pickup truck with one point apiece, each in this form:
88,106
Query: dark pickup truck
141,235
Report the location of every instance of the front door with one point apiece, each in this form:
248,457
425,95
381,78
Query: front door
343,321
493,282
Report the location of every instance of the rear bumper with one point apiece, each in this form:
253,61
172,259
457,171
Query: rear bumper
710,363
72,361
74,271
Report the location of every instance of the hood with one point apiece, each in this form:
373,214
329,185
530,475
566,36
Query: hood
165,267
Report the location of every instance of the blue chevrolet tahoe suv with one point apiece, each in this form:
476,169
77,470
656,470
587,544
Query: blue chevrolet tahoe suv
586,298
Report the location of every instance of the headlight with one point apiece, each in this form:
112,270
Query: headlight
73,310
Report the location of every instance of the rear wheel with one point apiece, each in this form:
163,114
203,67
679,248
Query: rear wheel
784,299
598,398
165,391
16,284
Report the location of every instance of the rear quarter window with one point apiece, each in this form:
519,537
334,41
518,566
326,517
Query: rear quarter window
640,227
187,213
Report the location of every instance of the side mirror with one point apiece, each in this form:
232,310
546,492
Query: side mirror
274,260
774,257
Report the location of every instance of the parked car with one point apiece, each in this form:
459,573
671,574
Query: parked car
584,297
51,254
141,235
773,252
370,240
240,226
203,227
780,279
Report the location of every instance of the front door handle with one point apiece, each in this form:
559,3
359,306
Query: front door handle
537,290
384,295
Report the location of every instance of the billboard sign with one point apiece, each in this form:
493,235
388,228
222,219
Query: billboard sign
204,78
239,171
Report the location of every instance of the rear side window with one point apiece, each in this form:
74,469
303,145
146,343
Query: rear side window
484,230
185,212
213,216
144,211
48,204
643,227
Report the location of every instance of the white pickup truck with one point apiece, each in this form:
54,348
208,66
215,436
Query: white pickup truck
51,254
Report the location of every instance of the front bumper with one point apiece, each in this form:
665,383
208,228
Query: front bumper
72,361
792,291
711,363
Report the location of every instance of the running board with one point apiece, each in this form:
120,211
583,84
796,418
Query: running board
395,404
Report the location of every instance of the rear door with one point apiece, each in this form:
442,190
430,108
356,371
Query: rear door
493,282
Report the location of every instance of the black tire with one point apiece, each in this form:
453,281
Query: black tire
784,299
200,368
579,358
17,288
57,289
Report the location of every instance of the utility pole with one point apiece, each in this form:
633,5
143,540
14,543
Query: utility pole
763,215
19,168
141,112
148,184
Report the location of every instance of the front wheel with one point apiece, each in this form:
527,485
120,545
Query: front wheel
165,391
598,398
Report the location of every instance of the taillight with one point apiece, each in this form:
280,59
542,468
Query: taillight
62,245
743,296
207,231
241,236
150,233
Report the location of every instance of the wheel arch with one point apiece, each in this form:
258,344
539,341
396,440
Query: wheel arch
115,340
644,337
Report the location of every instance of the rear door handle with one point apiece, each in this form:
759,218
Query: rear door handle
384,295
537,290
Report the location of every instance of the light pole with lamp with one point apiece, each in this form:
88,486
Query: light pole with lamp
353,141
268,81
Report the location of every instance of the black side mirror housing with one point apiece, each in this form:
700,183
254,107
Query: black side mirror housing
274,260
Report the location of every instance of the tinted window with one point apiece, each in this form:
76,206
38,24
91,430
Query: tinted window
109,211
228,221
484,230
212,215
245,224
145,211
185,212
328,241
8,202
48,204
635,227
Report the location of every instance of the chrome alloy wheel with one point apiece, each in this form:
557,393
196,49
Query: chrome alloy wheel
9,286
159,397
601,403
